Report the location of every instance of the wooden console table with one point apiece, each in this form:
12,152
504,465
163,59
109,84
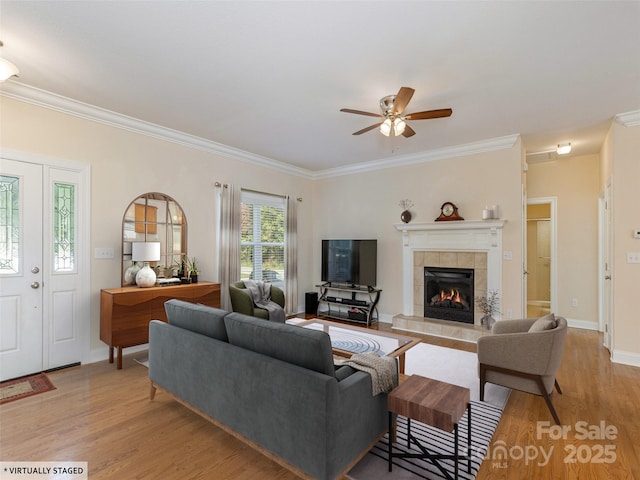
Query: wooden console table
125,312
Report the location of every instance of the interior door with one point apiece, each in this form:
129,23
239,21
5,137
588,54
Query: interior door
21,275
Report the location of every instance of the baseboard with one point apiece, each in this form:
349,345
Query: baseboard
583,324
626,358
102,353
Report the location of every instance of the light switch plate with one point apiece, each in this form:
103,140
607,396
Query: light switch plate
633,257
103,253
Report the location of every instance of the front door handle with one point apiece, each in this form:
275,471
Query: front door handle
35,285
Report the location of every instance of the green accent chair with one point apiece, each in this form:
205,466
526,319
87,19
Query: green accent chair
242,302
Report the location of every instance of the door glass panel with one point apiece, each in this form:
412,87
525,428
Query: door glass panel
64,238
9,225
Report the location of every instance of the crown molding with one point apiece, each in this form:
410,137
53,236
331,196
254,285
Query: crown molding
52,101
42,98
490,145
629,119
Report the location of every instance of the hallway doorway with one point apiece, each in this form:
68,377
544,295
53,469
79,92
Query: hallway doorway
541,256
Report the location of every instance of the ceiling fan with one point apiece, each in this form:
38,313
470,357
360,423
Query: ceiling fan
393,118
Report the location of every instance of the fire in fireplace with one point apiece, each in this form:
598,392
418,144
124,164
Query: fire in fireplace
449,293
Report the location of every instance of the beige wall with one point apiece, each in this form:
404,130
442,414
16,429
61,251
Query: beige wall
125,165
366,206
575,182
625,166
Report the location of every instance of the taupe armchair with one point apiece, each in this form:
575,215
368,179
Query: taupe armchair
242,302
524,360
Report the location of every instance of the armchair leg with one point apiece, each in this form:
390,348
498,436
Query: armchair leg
483,370
558,387
537,378
547,399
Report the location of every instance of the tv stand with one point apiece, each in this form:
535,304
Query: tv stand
349,303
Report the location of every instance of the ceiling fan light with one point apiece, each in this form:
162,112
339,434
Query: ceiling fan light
398,126
563,149
385,127
7,69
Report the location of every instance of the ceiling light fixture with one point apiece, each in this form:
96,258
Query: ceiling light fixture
398,126
563,149
7,69
385,127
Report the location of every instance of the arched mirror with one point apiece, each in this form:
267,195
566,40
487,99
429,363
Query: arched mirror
154,218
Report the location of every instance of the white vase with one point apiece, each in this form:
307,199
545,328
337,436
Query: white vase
146,277
130,274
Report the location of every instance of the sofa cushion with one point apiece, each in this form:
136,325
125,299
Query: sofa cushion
198,318
300,346
548,322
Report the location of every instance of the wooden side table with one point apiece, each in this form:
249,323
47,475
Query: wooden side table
125,312
435,403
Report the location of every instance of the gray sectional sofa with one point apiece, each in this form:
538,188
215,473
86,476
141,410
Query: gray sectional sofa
273,385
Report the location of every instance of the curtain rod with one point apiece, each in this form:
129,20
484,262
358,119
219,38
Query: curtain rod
267,193
226,185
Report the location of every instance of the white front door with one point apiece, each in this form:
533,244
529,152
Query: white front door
44,273
21,269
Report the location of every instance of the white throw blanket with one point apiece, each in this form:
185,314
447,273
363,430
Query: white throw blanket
261,294
383,370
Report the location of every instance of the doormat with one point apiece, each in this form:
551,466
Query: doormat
24,387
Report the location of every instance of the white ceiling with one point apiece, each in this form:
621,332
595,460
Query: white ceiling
270,77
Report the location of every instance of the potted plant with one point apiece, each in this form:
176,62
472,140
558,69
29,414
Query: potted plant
192,269
182,269
489,306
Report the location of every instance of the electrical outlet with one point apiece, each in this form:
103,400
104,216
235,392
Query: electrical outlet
103,253
574,302
508,255
509,313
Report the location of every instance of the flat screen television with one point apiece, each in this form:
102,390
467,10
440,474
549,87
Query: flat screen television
352,262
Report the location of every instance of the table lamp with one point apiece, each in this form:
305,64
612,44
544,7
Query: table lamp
145,252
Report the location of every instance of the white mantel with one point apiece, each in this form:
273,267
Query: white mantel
451,236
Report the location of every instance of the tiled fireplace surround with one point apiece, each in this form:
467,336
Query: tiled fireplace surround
462,244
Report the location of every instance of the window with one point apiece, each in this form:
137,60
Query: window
262,238
64,234
9,225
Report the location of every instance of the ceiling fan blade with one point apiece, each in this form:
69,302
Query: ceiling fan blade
360,112
402,100
444,112
365,130
408,132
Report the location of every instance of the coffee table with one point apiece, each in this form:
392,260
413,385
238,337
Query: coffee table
347,340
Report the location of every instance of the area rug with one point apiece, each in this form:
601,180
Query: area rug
24,387
452,366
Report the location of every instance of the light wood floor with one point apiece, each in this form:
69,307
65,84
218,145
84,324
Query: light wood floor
103,416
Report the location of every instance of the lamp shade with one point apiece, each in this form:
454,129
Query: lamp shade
145,251
385,127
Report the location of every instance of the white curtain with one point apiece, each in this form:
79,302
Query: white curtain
229,241
291,264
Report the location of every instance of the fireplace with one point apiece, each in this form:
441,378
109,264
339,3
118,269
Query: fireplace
449,293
